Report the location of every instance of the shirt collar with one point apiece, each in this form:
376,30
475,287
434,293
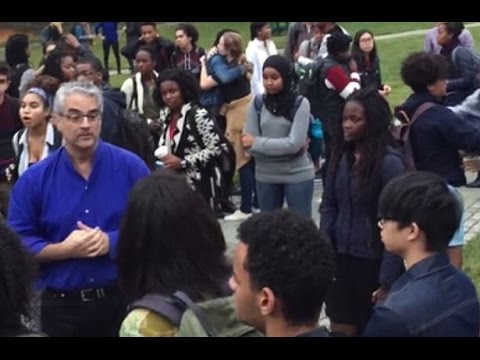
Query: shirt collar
429,265
97,156
49,138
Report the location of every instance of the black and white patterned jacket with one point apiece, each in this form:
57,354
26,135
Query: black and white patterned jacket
184,145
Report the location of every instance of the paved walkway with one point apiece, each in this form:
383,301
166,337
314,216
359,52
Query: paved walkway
414,33
472,219
472,222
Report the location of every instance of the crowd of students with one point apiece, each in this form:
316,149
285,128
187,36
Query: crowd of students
114,243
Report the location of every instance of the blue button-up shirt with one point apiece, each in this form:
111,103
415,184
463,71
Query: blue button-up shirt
51,197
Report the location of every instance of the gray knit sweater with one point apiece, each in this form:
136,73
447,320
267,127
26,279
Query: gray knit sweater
278,146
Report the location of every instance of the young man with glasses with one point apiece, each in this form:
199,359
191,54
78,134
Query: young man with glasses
418,217
67,209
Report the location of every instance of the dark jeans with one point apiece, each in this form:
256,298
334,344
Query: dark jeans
248,190
106,54
299,197
65,316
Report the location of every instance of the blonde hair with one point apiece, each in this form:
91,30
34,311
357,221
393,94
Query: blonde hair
233,45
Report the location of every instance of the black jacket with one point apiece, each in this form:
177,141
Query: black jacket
113,103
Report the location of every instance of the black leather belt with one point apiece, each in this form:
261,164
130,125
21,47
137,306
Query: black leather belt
85,295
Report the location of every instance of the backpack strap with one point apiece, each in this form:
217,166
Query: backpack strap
298,102
163,305
134,94
258,104
57,139
197,311
17,147
421,109
405,136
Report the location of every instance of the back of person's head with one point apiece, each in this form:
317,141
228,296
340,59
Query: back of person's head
170,240
338,43
287,254
455,28
233,44
255,27
16,50
187,82
423,199
419,70
221,33
17,271
48,83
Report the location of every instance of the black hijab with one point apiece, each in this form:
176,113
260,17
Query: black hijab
281,104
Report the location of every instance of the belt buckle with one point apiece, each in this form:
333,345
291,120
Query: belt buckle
87,295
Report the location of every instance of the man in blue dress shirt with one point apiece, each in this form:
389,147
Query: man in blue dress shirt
68,209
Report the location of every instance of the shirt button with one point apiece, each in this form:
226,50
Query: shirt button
87,211
86,187
91,280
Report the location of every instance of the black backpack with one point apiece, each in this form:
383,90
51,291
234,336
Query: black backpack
136,137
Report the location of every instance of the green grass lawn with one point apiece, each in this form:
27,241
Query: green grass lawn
392,52
471,261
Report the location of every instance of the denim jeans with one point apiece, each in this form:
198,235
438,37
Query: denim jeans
299,197
247,187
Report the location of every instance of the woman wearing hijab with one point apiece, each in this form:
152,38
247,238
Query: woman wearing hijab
278,142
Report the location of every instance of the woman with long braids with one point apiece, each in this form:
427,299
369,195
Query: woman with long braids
363,162
277,139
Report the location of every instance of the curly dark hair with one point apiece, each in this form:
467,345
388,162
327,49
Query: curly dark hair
419,70
189,30
288,254
53,63
47,83
17,272
188,83
170,240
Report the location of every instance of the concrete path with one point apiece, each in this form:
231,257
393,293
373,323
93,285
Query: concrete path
471,198
414,32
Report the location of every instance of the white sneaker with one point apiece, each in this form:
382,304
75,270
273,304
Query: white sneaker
237,216
255,211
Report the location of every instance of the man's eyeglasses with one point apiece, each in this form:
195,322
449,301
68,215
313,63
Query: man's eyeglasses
383,220
77,117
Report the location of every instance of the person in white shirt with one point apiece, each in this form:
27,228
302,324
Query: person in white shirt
258,50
